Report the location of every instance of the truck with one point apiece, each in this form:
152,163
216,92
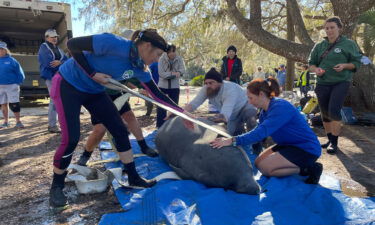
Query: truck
22,26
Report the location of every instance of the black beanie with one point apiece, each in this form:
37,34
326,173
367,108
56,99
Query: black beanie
214,75
232,48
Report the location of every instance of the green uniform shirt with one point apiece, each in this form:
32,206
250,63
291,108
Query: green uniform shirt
345,51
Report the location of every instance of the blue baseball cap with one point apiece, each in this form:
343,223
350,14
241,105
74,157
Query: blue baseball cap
3,45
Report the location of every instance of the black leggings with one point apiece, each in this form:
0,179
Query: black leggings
331,99
68,101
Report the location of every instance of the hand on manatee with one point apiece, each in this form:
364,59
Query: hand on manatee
221,142
218,118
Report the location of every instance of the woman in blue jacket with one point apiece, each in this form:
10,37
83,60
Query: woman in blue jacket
297,147
11,76
50,57
80,83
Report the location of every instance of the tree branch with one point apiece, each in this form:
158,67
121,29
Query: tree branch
301,31
175,13
253,31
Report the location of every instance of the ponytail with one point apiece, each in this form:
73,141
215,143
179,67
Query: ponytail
268,86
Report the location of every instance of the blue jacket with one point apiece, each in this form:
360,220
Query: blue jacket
45,56
285,124
110,56
154,71
10,71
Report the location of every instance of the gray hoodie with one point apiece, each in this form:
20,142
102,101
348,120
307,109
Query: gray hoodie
165,67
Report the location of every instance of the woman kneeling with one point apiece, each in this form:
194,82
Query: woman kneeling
297,147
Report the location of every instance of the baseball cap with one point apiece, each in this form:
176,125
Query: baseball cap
282,65
51,33
3,45
127,34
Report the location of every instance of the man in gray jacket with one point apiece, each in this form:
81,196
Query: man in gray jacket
230,99
171,67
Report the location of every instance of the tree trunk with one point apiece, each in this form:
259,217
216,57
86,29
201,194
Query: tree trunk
291,37
361,95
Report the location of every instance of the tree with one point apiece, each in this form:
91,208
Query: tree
348,10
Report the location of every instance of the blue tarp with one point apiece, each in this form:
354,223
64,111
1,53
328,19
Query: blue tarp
283,201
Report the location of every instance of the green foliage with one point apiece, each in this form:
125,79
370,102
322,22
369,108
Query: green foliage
197,81
192,70
368,18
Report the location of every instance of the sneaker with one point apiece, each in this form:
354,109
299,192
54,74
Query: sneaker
57,198
332,149
150,152
140,182
325,145
314,173
19,125
54,129
4,125
83,159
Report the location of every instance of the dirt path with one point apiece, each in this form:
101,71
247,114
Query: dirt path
25,171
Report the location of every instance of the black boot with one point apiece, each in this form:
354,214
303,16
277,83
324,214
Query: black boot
333,148
329,136
146,149
84,158
135,180
57,198
314,172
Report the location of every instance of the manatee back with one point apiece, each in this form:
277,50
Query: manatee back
191,156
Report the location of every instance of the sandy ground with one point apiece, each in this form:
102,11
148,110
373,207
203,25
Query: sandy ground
26,158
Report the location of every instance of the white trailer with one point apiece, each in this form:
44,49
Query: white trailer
22,26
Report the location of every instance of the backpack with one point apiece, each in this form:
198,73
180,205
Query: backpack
304,100
310,105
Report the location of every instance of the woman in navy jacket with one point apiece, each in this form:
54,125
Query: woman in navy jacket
51,57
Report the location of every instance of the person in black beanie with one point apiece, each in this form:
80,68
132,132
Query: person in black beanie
231,69
231,100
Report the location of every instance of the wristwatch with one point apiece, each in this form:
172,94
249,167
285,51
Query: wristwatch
234,142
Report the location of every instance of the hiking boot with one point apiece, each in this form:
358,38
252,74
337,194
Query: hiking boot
314,172
150,152
83,159
332,149
54,129
140,182
19,125
57,198
4,125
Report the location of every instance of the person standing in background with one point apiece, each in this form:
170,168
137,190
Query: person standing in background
50,58
259,73
171,67
231,69
281,76
11,76
334,60
304,80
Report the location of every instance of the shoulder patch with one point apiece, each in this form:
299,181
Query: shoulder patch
128,74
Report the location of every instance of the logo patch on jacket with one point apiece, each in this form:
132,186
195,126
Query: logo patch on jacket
337,50
128,74
7,62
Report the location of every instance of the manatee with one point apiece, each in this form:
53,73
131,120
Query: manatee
190,155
